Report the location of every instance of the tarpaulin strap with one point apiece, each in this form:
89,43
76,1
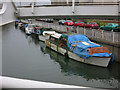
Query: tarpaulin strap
73,46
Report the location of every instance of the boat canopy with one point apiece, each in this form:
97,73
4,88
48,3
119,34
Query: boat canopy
48,32
31,25
83,47
56,35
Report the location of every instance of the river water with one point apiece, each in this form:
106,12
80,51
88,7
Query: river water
28,58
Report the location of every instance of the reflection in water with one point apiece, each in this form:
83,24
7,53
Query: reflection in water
32,39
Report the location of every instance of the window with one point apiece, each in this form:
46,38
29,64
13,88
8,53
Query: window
88,23
107,24
81,22
110,25
69,21
94,23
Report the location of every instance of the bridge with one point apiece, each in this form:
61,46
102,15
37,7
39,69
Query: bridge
9,10
81,10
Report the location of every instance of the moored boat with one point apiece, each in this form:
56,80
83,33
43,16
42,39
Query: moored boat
30,29
39,30
23,26
45,35
80,48
17,22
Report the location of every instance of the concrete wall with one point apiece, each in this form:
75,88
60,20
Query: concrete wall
7,13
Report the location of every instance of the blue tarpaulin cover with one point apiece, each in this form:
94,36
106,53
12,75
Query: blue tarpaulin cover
80,43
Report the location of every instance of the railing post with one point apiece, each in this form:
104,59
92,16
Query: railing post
92,33
113,37
33,7
102,34
84,31
77,30
73,5
67,2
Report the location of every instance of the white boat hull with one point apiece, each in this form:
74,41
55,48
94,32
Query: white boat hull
43,38
27,31
98,61
46,35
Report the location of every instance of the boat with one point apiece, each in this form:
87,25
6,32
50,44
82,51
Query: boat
17,22
45,35
39,30
23,26
30,29
80,48
20,24
71,67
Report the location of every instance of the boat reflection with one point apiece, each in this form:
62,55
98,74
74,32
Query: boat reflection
32,39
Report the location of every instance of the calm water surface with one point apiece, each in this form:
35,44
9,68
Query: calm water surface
28,58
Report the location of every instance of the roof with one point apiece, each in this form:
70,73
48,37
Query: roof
31,25
49,32
56,35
